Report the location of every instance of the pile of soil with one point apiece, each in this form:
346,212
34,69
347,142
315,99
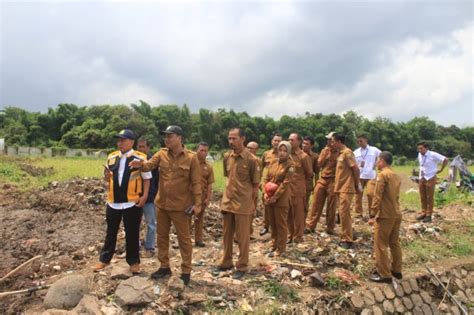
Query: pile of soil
65,222
57,221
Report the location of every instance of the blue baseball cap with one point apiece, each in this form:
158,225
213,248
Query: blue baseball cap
126,134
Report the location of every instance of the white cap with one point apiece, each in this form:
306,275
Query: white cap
329,135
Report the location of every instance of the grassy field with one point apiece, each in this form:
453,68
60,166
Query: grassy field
17,171
21,172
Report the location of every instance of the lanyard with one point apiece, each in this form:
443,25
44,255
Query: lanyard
423,159
366,152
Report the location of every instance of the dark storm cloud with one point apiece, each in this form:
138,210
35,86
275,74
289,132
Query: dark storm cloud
211,54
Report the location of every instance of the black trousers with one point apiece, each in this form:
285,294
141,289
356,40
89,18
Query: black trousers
131,222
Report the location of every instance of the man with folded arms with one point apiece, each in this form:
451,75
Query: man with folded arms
346,186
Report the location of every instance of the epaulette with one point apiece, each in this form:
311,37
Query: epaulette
113,154
140,155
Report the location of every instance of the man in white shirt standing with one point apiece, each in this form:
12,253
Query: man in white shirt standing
428,161
366,156
127,194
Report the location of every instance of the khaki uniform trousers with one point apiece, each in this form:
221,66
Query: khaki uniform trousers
198,225
309,193
238,224
323,192
370,184
296,218
427,189
279,227
180,220
345,216
386,236
266,218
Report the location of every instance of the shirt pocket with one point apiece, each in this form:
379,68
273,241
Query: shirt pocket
243,172
183,170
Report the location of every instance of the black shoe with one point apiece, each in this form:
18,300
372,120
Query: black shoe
161,273
345,245
309,231
426,219
186,277
238,274
263,231
397,275
375,277
200,244
420,217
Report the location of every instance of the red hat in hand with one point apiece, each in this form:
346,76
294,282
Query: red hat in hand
270,188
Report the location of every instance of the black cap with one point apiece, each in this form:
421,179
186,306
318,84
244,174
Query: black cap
126,134
172,129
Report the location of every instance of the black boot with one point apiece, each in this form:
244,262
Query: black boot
161,273
186,277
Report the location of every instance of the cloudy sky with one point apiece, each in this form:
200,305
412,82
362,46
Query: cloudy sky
396,59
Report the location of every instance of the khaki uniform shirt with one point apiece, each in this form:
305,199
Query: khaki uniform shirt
207,176
180,179
327,162
268,158
344,175
281,173
243,172
259,161
303,174
386,203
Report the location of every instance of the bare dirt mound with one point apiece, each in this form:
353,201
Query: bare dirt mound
57,222
65,222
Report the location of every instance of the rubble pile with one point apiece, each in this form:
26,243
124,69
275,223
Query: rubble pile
65,223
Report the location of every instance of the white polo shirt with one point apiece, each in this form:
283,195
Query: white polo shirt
429,164
121,170
366,158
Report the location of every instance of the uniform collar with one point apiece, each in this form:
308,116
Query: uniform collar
126,154
182,151
242,153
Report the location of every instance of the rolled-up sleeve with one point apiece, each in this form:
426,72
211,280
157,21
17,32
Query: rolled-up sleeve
146,175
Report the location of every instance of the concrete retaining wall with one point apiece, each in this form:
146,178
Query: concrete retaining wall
49,152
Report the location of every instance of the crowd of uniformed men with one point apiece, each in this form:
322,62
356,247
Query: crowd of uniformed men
174,186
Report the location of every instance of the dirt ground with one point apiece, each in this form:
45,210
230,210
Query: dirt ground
65,223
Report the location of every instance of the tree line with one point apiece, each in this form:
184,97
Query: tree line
69,125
